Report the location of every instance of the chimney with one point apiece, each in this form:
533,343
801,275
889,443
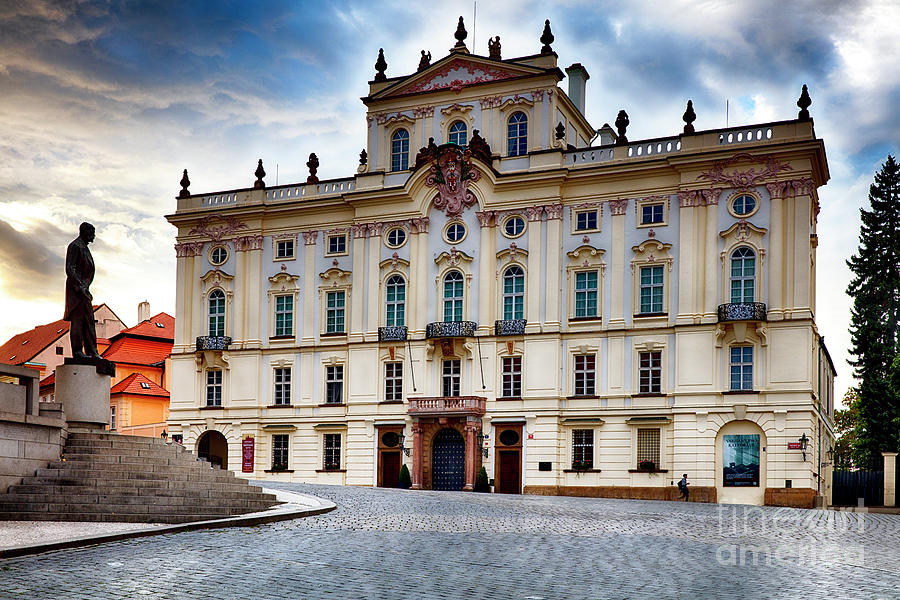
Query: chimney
578,77
143,311
607,135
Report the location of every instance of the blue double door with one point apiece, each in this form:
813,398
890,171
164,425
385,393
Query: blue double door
448,460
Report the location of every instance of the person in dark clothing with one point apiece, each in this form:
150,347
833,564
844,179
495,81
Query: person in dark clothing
683,487
79,309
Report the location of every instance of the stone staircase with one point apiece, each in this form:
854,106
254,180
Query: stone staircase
112,477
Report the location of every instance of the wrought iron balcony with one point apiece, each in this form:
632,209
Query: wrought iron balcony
394,333
213,342
444,406
509,327
742,311
451,329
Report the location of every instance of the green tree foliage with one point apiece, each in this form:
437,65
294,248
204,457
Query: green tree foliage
846,420
482,484
405,480
875,317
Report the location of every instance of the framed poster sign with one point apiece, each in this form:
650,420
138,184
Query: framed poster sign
740,460
247,455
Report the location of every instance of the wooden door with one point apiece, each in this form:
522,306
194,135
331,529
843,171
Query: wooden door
390,469
510,466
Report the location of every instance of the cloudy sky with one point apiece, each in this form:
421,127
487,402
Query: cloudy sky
105,102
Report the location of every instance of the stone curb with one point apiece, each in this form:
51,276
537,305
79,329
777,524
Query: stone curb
297,506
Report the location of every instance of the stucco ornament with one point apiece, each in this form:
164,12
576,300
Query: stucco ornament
451,173
206,226
743,180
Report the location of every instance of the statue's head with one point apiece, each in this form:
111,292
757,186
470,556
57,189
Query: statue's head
86,232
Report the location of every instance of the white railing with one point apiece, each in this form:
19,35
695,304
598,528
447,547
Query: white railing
654,147
309,190
745,134
218,199
588,155
447,405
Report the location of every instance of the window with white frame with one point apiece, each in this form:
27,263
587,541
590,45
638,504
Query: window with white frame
582,449
512,376
331,451
741,368
650,372
282,376
334,311
587,292
112,418
651,289
334,384
214,388
337,244
400,150
216,313
514,293
585,374
648,446
284,316
743,275
451,377
587,220
280,445
453,296
393,382
517,134
395,301
459,133
284,249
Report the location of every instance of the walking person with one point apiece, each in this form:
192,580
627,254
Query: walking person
683,487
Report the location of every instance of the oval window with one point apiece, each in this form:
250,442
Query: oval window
509,437
514,226
743,205
390,439
455,232
218,255
396,237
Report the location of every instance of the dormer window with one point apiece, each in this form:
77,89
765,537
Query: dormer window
459,134
145,385
400,150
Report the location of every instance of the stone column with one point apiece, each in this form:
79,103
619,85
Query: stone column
373,288
686,310
890,478
487,262
711,255
417,456
310,277
776,253
471,449
802,226
358,281
552,316
535,276
618,276
420,264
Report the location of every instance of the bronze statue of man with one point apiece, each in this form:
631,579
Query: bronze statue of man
79,301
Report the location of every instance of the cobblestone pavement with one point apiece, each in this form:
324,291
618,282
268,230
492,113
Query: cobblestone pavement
404,544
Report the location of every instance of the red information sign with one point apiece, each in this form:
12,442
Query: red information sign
794,446
247,455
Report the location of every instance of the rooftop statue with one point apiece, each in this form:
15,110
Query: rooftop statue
79,301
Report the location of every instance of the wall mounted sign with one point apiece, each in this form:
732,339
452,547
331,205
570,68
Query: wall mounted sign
740,460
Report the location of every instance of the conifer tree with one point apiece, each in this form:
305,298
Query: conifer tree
875,316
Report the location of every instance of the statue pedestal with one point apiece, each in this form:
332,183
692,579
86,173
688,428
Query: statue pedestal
84,394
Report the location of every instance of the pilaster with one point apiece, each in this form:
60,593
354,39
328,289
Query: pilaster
487,280
890,478
618,208
552,316
373,289
535,275
711,258
802,307
687,262
420,267
776,252
358,283
310,300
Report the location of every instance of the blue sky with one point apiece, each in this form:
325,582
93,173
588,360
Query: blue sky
105,102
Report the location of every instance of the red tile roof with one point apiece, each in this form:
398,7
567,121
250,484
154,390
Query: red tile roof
140,385
138,351
22,347
159,326
49,380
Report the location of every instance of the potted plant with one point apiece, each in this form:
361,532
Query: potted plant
647,465
404,479
581,465
481,482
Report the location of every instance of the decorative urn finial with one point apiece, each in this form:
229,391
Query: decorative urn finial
689,117
313,164
560,131
185,182
622,123
494,48
460,35
804,103
547,38
380,66
260,173
363,157
425,61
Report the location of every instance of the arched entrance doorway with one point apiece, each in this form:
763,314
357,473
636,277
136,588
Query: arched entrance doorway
741,463
448,460
213,447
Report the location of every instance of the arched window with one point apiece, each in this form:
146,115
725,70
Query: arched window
514,293
743,275
395,299
517,134
217,313
400,150
453,296
458,134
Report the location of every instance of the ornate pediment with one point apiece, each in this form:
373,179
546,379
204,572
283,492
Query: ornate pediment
748,178
456,73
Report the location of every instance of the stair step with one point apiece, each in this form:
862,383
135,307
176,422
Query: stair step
73,491
169,483
135,509
106,518
127,499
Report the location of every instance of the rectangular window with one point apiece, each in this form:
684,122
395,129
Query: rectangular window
59,350
450,378
283,386
585,375
650,372
284,316
512,377
332,453
586,220
112,418
648,446
652,290
393,382
214,388
334,384
337,244
284,249
652,213
586,294
741,368
334,312
583,449
280,452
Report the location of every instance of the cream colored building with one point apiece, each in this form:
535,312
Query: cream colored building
578,312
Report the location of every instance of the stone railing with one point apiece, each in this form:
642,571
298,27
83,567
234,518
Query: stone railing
651,147
213,342
311,190
450,329
447,405
395,333
742,311
509,327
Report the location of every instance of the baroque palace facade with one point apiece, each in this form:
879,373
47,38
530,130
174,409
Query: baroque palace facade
574,311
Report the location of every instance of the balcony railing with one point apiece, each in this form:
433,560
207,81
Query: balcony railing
394,333
742,311
447,406
213,342
451,329
509,327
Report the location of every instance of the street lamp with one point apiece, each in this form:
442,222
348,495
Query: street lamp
803,443
484,451
402,437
